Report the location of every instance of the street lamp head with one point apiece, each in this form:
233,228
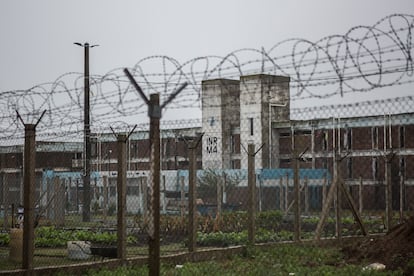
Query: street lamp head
86,44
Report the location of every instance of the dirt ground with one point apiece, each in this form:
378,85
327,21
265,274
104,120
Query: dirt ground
395,249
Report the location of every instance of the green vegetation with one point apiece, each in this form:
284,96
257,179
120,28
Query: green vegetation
49,236
230,228
227,229
4,239
283,259
211,179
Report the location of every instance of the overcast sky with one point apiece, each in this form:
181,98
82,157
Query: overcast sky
37,36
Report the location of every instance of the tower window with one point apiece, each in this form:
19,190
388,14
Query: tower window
251,126
375,168
349,168
325,141
402,137
402,166
232,144
348,138
374,137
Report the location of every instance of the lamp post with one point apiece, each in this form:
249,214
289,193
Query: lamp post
86,214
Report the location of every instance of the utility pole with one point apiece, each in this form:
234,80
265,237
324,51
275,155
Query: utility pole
86,213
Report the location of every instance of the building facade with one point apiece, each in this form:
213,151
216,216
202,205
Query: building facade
235,113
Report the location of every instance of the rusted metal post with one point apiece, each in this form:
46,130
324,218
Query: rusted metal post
154,112
325,209
192,197
251,183
5,200
296,196
338,210
105,198
401,198
164,198
287,192
154,225
219,196
121,190
59,201
281,194
29,195
306,192
144,186
182,197
352,205
388,192
361,196
324,182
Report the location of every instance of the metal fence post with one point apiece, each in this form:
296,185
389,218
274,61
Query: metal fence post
59,201
192,194
182,196
121,190
281,193
29,194
306,192
105,198
154,227
337,178
251,183
324,184
154,112
287,192
361,198
296,195
401,198
388,191
5,200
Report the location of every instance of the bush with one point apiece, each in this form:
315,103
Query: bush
111,209
4,239
51,237
269,219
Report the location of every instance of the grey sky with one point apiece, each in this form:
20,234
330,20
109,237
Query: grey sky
37,36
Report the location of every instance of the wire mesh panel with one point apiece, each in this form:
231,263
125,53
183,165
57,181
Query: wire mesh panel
318,172
275,154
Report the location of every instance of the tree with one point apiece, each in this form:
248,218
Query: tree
213,184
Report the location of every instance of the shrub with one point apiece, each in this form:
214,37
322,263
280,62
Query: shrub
111,209
4,239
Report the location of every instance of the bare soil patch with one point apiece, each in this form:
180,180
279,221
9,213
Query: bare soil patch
395,249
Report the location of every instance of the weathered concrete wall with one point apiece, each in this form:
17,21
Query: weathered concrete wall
263,99
221,106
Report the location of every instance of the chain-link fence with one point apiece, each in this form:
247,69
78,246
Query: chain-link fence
258,167
253,170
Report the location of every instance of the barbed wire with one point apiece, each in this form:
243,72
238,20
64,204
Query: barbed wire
363,59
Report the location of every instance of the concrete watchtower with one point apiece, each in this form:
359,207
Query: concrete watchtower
263,99
220,118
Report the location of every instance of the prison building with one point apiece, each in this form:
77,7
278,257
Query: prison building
238,112
235,113
259,113
59,168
